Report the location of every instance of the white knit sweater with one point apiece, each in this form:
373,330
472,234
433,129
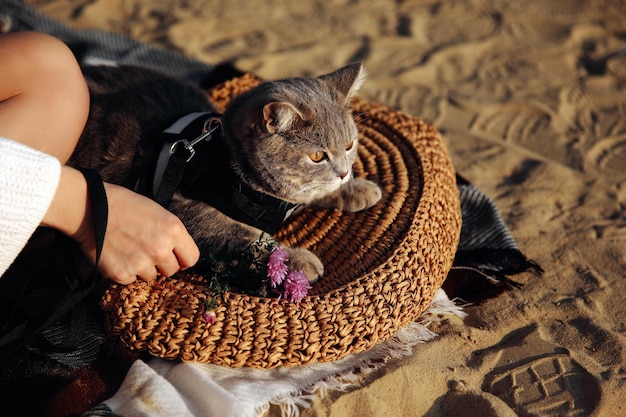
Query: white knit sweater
28,182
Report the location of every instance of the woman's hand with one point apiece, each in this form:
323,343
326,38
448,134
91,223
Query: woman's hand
142,238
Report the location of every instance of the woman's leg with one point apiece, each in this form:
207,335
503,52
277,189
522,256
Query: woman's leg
44,100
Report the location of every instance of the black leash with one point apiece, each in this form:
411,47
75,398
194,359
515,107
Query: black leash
177,153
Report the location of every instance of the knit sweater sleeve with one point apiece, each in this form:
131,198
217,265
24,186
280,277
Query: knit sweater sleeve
28,182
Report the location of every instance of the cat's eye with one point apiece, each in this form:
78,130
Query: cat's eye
349,145
317,156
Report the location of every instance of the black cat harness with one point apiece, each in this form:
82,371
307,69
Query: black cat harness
199,168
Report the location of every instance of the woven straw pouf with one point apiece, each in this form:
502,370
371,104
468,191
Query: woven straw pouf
382,265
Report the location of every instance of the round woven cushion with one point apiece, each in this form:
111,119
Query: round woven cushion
382,265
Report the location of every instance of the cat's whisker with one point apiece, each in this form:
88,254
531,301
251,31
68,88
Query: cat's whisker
303,189
359,119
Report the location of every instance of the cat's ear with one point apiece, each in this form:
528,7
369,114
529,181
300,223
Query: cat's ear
347,80
279,116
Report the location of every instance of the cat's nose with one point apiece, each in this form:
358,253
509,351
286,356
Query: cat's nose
343,175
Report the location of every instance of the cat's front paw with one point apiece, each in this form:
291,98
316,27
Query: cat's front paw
361,194
307,262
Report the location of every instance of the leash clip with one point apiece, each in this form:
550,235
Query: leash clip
210,126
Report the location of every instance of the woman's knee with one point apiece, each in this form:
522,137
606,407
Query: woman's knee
60,75
52,86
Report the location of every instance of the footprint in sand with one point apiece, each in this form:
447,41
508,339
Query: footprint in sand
539,21
464,22
428,103
537,378
517,122
609,156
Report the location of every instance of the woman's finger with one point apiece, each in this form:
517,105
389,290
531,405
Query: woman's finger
169,266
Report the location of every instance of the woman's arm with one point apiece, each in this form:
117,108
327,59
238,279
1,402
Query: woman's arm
28,182
142,238
44,103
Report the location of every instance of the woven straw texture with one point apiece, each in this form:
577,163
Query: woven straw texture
383,265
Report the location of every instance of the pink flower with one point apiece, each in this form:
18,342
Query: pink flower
210,316
276,268
296,286
279,254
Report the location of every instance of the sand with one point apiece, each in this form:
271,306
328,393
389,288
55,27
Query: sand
533,115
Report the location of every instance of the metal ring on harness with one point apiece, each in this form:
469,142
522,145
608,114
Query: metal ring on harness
170,164
210,126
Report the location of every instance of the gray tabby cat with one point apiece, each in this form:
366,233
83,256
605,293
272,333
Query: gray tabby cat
293,139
